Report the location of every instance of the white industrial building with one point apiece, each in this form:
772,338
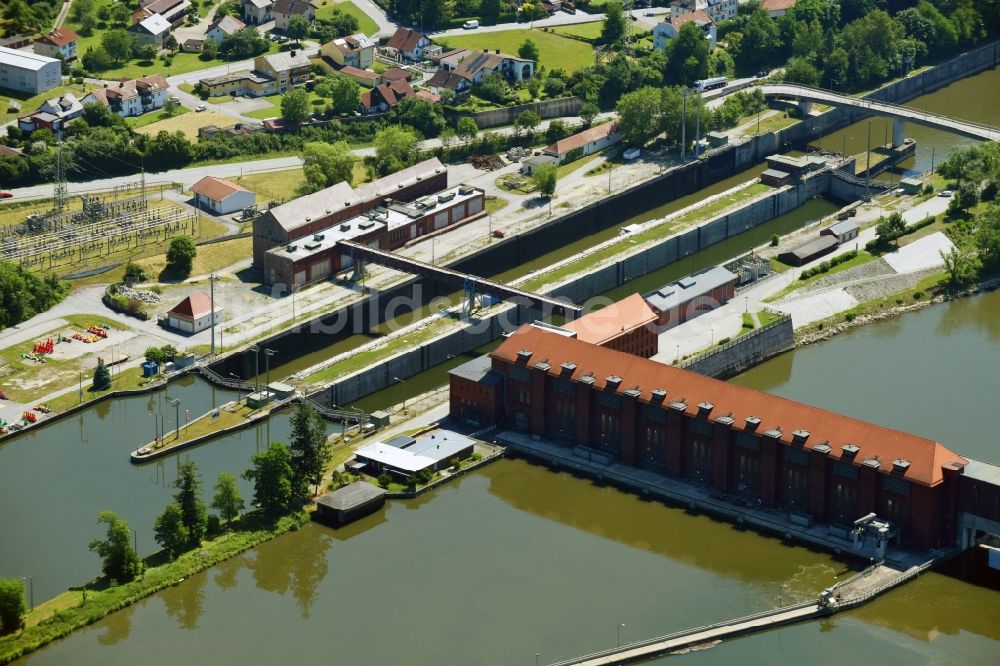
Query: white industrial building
222,196
195,313
28,72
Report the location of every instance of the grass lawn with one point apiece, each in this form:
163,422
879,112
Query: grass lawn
863,257
210,258
189,124
274,110
779,266
136,122
130,378
765,317
30,103
493,204
274,185
204,424
365,23
585,30
554,51
565,169
773,123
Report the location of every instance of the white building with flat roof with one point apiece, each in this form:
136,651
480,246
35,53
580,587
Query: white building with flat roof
28,72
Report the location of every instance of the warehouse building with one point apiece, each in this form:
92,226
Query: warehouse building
814,249
691,296
433,452
28,72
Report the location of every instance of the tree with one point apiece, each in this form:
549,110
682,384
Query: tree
118,45
544,178
96,60
342,92
120,14
295,106
421,115
119,560
553,87
720,63
298,27
147,52
800,70
872,44
757,40
889,229
12,607
155,355
965,197
326,164
556,130
180,255
527,121
168,150
169,531
528,50
494,88
227,499
614,23
395,148
244,43
80,9
170,107
489,10
962,267
467,129
193,513
209,50
102,377
310,451
271,474
687,56
432,13
588,112
639,115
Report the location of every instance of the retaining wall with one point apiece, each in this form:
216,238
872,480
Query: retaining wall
551,108
746,351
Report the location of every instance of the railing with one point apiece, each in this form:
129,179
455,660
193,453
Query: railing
216,378
739,340
338,414
854,179
687,632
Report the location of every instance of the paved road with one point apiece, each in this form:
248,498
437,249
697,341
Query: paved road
559,18
386,27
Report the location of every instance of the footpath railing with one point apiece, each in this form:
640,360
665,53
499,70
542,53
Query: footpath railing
226,382
736,341
687,632
338,414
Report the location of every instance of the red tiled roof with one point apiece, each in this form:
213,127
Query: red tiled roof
10,152
563,146
59,37
427,96
195,306
216,189
601,325
776,5
404,39
445,79
696,15
395,73
926,456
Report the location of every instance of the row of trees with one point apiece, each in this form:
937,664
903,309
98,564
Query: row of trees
24,294
283,479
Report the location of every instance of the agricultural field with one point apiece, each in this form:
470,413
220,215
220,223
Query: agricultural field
135,122
188,124
586,30
554,51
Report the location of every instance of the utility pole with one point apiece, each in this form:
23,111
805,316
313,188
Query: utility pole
268,353
177,416
697,128
211,297
256,367
868,163
684,106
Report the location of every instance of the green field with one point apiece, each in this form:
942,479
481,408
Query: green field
274,110
554,51
585,30
365,22
153,116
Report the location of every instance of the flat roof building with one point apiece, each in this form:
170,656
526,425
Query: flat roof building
692,296
349,503
843,231
431,452
808,251
28,72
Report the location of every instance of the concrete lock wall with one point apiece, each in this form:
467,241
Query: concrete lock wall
746,351
551,108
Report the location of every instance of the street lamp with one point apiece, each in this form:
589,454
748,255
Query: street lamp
268,353
177,416
747,302
256,367
239,388
401,381
711,334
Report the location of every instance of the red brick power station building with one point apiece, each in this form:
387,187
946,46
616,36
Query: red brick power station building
745,443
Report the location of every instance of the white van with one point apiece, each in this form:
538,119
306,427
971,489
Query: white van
471,25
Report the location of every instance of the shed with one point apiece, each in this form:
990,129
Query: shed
808,251
910,185
716,139
222,196
775,177
349,503
280,390
843,231
258,399
379,418
529,164
195,313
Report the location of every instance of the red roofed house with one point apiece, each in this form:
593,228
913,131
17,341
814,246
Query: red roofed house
385,96
628,326
222,196
195,313
664,31
60,43
804,463
776,8
406,44
587,142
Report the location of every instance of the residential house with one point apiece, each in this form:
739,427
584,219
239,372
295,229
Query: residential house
776,8
256,12
288,69
223,27
717,10
195,313
583,143
353,51
667,30
222,196
474,65
397,74
385,96
153,30
131,97
60,43
173,11
407,44
53,114
285,9
28,72
445,80
7,151
243,82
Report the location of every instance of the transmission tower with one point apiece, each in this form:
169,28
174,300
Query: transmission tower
59,195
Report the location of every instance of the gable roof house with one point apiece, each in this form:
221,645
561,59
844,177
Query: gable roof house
59,43
222,196
776,8
664,31
385,96
131,97
152,30
445,80
407,44
474,65
195,313
355,50
283,10
588,141
173,11
223,27
256,12
53,114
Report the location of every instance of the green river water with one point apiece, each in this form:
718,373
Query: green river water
514,560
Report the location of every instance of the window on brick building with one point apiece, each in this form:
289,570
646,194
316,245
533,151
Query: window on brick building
700,461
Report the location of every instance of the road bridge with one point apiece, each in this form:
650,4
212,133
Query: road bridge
473,284
808,95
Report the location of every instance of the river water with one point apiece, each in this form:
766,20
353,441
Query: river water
514,560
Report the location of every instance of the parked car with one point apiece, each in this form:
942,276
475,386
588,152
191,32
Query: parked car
648,14
175,98
200,107
471,25
497,233
762,73
6,195
946,193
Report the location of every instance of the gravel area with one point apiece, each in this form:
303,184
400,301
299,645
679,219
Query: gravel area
870,290
874,269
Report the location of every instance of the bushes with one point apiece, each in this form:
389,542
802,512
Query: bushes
825,266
